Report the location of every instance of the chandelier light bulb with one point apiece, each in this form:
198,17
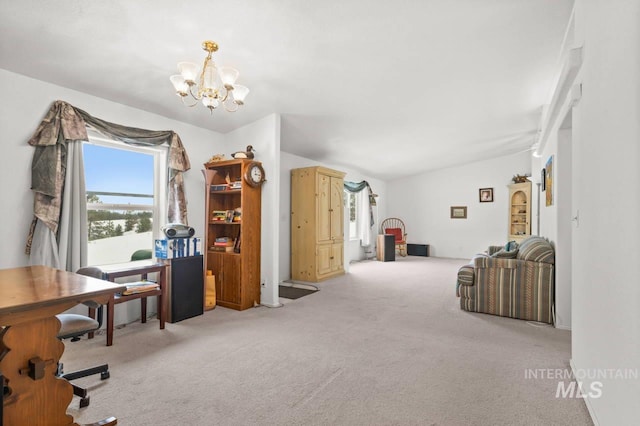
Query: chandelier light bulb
209,84
240,93
210,103
228,76
181,86
189,71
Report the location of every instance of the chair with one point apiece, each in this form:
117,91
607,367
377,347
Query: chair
395,227
141,254
512,281
73,326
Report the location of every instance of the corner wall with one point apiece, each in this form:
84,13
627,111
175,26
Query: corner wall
606,291
423,202
264,136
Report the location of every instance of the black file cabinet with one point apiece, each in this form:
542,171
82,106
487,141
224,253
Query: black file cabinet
386,251
186,288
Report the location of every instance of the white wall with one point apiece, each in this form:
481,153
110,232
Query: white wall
353,250
264,136
606,291
423,202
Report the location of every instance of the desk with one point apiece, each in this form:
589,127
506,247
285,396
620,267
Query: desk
142,268
30,299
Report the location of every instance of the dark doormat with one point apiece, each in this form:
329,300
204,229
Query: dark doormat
294,292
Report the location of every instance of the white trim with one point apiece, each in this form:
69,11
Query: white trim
586,399
562,92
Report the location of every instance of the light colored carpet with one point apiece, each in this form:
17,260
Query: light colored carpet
386,344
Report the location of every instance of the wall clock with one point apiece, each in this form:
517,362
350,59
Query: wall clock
254,174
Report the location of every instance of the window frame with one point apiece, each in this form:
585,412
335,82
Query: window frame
160,178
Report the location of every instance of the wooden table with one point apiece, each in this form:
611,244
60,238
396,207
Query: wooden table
30,299
141,268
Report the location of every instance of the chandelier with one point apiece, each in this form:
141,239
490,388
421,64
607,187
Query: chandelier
211,85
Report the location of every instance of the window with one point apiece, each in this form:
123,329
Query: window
124,200
353,215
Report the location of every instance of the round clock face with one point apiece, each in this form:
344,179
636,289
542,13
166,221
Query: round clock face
254,174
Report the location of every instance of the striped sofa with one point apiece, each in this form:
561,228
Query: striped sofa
519,287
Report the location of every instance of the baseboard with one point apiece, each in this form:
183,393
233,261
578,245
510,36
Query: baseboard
586,400
270,305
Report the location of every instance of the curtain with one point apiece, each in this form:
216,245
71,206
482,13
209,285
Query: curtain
365,218
365,200
63,125
72,233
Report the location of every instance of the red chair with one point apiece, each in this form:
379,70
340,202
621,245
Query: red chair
395,227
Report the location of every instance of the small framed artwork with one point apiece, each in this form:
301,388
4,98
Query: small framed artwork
486,195
458,212
548,181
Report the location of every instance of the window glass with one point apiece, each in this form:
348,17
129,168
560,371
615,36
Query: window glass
122,203
353,215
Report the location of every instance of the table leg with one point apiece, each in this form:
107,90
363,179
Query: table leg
162,309
110,319
30,352
143,310
92,315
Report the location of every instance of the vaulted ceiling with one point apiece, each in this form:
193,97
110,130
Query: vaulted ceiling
387,88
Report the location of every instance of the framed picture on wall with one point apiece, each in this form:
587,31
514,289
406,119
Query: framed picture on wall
548,181
486,195
458,212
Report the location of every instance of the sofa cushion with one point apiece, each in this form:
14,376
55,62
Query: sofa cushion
396,232
536,249
506,254
511,245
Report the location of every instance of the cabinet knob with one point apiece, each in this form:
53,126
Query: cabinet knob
331,258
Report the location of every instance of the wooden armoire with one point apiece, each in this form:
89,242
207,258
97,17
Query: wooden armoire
317,223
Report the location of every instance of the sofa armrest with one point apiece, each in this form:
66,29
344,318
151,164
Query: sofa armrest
494,249
466,276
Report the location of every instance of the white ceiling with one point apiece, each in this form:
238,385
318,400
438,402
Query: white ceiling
387,88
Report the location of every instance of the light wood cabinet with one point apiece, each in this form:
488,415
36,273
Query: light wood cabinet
519,211
236,269
317,224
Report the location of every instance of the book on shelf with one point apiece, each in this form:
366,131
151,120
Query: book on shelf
221,187
219,215
140,287
227,249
